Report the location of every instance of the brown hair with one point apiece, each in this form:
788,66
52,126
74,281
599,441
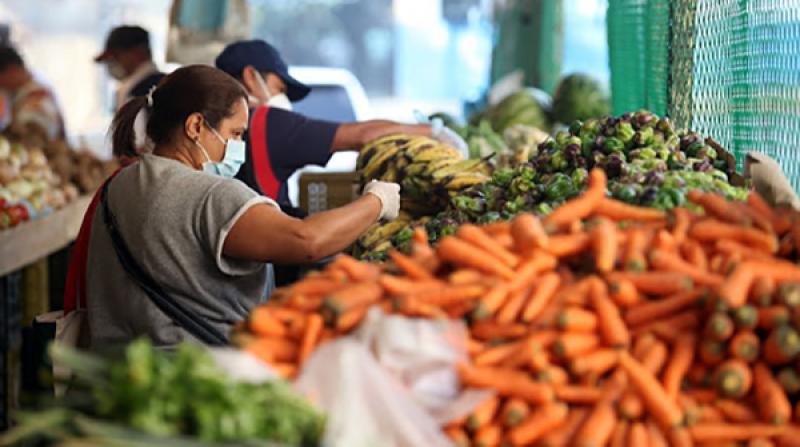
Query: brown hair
191,89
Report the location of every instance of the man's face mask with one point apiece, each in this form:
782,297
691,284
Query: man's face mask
280,100
116,70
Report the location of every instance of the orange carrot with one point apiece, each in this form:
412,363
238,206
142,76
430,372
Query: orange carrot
772,316
540,423
458,436
513,306
681,220
514,412
563,434
717,206
263,322
760,442
604,243
781,346
465,276
528,233
350,297
488,436
670,262
656,283
630,405
712,230
617,210
711,352
310,336
654,358
475,235
458,252
577,319
680,437
583,206
578,394
279,349
489,330
773,405
357,270
598,427
316,286
685,320
285,370
612,327
665,242
570,345
491,302
552,375
679,363
745,345
661,407
527,272
731,247
410,266
451,295
733,379
719,326
494,355
735,411
733,432
653,310
545,289
398,286
757,203
634,258
564,245
656,437
694,253
596,363
483,414
638,435
619,436
506,382
763,290
350,319
624,293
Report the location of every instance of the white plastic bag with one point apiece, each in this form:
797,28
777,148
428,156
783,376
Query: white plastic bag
391,384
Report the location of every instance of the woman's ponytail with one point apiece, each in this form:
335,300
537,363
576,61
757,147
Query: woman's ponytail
123,134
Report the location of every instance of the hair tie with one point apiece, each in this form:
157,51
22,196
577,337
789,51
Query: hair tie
150,96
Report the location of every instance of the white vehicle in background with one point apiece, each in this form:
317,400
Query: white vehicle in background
336,95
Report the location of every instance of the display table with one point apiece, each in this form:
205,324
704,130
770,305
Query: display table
37,239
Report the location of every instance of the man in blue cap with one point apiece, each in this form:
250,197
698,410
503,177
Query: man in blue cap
280,141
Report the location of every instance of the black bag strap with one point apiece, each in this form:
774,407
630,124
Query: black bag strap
185,318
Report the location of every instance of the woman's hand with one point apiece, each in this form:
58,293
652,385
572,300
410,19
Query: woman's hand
265,234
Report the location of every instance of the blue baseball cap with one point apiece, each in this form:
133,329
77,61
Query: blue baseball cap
264,58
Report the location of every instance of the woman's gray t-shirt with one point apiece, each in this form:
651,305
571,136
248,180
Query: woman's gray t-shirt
174,220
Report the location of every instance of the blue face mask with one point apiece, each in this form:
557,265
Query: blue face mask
231,162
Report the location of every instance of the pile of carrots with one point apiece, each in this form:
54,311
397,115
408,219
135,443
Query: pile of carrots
601,324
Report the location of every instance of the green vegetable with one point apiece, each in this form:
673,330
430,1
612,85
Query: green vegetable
613,145
560,186
579,97
625,132
150,393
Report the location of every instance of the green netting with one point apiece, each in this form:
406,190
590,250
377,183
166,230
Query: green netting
638,45
725,68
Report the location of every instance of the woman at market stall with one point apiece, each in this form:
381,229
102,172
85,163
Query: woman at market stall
178,248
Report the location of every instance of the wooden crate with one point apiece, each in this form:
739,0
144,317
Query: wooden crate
324,191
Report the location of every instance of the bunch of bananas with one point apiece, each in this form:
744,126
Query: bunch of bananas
429,173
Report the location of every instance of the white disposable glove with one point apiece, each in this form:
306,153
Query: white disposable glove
445,135
769,180
388,194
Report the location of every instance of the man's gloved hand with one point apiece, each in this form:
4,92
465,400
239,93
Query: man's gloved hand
389,195
445,135
768,180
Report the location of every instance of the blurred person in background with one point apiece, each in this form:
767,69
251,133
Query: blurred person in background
129,61
279,141
32,107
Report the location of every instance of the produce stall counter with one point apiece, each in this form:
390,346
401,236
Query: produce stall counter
37,239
